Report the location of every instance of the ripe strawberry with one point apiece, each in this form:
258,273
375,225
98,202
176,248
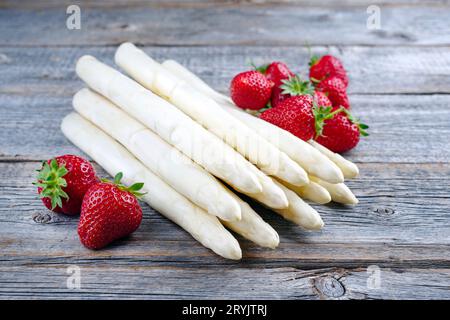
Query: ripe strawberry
277,72
110,211
325,67
321,99
63,181
295,115
334,88
251,90
277,96
341,132
294,86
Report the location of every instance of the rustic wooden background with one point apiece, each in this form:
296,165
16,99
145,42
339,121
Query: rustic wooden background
400,85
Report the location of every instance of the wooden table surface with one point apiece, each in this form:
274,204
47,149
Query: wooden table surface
400,85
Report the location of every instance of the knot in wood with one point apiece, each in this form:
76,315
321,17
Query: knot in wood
330,287
42,217
384,211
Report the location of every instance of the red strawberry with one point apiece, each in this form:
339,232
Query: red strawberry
250,90
321,99
277,96
295,115
277,72
110,211
334,88
63,181
292,86
341,132
325,67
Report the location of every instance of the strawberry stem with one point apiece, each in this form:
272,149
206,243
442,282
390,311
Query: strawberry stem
314,59
361,126
133,189
294,86
261,69
321,114
50,179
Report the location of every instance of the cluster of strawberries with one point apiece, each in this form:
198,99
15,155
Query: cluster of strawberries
317,108
68,184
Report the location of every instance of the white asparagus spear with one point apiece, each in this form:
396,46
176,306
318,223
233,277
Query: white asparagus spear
272,195
348,168
175,68
208,113
253,227
300,151
312,191
299,211
136,99
179,171
171,124
339,192
114,158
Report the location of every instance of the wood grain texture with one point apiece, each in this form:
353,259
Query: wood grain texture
390,230
27,136
405,70
223,25
149,282
390,227
399,86
121,4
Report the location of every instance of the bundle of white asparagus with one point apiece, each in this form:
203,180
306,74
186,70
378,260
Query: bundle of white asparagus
194,150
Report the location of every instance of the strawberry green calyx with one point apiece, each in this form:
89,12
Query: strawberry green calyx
315,81
313,61
321,114
133,189
261,69
294,86
361,126
50,179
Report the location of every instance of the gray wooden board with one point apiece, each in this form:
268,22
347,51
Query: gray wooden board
221,25
405,70
399,86
403,230
121,4
106,281
391,225
404,128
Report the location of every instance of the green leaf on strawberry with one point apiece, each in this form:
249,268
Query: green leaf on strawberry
50,179
133,189
294,86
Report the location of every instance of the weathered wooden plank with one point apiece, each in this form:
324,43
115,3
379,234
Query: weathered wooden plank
404,128
399,222
223,25
371,70
120,4
146,282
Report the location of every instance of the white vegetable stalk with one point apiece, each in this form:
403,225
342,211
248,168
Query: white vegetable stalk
253,227
171,124
272,196
299,211
339,192
208,113
300,151
180,172
185,74
114,158
312,191
348,168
